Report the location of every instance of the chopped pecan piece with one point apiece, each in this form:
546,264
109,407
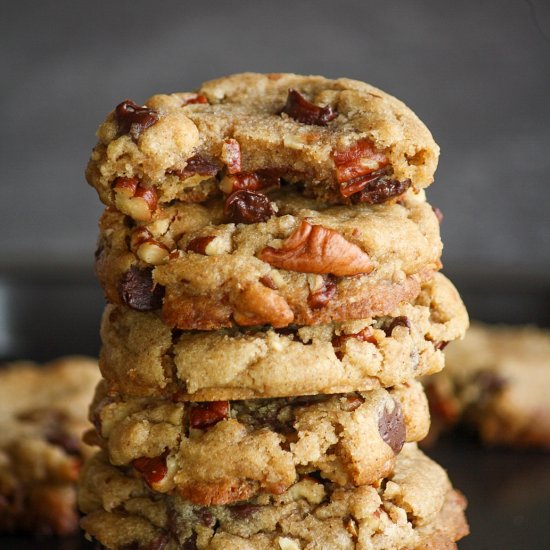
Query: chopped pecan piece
252,181
248,207
146,248
197,164
153,469
138,291
400,321
231,156
197,99
359,159
351,402
302,110
322,296
391,426
132,119
134,200
199,244
316,249
205,415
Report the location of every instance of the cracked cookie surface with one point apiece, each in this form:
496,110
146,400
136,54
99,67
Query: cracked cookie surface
415,507
141,356
42,419
334,138
305,264
227,451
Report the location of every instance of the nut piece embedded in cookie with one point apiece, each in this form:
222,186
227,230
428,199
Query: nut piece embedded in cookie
316,249
134,200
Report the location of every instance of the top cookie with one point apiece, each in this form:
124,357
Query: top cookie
342,140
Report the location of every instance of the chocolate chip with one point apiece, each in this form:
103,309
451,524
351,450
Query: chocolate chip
132,119
138,290
490,382
321,297
244,511
302,110
66,441
248,207
205,517
400,321
441,345
391,426
197,164
374,188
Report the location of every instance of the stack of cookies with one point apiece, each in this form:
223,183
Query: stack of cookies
270,263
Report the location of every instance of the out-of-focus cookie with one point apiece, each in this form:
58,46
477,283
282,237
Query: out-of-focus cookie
42,418
341,140
497,381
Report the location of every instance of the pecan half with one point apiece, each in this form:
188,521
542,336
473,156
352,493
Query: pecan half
134,200
316,249
205,415
364,335
231,156
132,118
248,207
302,110
359,159
153,469
138,291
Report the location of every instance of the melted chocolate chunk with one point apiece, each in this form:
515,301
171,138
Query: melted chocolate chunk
248,207
197,164
190,543
138,291
391,426
132,119
160,542
302,110
376,187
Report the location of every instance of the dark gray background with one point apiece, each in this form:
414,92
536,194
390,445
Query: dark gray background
477,72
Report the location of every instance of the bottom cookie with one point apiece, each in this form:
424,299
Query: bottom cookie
497,381
413,508
42,418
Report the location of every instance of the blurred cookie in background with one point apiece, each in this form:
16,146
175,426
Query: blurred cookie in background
496,381
43,414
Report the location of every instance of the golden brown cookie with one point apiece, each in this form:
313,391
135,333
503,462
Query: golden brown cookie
497,381
227,451
141,356
415,507
305,263
340,140
42,419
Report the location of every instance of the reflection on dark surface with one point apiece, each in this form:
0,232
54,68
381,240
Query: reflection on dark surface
49,314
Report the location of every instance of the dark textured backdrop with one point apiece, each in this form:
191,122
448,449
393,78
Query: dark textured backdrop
477,72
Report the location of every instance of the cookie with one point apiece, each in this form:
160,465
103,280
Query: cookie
42,418
497,381
415,507
305,263
340,140
141,356
182,448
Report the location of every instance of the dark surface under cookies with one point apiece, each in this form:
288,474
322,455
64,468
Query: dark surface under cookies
52,313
